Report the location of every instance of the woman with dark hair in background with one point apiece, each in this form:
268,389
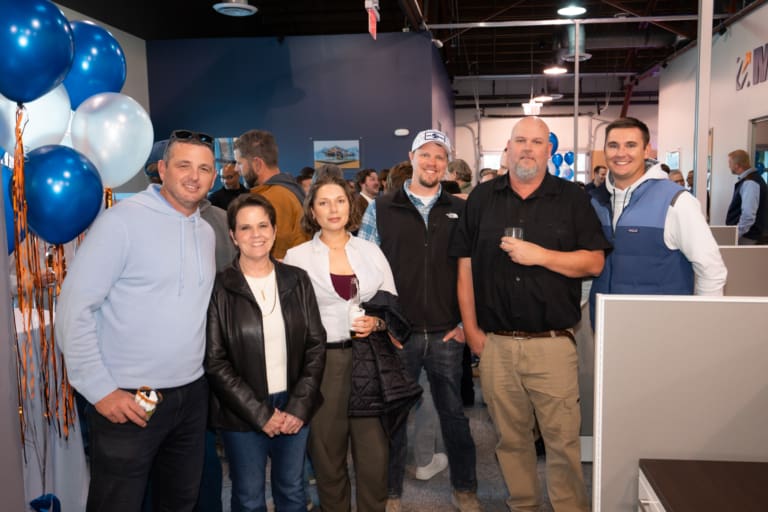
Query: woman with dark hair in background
264,360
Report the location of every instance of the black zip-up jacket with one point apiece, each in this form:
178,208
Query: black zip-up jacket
425,275
759,230
234,355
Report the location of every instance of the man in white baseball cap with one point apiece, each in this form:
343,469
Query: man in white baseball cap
434,136
413,225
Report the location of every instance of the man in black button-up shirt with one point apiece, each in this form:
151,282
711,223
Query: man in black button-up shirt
532,286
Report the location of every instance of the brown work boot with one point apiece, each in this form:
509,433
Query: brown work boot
466,501
393,505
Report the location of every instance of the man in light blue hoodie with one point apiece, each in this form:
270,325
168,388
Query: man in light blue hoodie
131,315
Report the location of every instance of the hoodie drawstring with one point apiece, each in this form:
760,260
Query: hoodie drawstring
181,255
198,256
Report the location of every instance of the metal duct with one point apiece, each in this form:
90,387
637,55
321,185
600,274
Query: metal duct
620,39
570,50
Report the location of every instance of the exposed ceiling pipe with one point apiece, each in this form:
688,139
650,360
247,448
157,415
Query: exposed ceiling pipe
656,39
563,22
722,27
659,24
413,15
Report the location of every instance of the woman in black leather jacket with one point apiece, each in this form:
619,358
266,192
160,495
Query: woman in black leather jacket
264,360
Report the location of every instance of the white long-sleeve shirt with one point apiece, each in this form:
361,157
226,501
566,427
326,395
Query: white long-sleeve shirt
686,230
369,265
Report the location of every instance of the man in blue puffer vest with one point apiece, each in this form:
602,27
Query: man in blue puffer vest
662,244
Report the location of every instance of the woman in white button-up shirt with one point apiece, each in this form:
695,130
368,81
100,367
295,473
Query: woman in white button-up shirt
333,258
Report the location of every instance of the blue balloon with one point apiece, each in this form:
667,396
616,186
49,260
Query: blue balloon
566,173
46,503
63,191
569,158
98,66
760,166
37,48
557,159
553,140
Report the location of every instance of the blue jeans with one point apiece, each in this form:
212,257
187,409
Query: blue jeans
168,451
442,362
247,453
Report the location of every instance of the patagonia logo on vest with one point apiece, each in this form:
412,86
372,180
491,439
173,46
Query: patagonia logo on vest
633,230
452,215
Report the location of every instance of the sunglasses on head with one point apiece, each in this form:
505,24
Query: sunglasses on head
190,135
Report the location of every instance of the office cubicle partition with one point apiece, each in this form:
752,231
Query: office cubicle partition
676,377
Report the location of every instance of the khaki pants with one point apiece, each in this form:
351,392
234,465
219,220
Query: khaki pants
329,437
523,377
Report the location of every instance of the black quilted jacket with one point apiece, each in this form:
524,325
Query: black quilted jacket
380,384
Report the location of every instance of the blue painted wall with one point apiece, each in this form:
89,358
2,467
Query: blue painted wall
303,88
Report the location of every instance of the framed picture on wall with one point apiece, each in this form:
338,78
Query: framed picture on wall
344,153
673,160
224,150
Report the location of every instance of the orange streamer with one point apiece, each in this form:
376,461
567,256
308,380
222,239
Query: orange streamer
108,197
38,284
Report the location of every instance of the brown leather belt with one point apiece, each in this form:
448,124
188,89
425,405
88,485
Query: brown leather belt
526,335
338,344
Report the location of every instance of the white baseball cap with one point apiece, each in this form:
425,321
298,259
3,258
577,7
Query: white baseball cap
435,136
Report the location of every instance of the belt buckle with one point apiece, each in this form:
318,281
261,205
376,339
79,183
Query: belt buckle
519,335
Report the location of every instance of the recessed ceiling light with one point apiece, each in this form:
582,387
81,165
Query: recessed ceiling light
238,8
571,10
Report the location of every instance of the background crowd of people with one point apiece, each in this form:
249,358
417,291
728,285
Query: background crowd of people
294,316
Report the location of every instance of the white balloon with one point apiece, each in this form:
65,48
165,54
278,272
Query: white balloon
115,133
46,119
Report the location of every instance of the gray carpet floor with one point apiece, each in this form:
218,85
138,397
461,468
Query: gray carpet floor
434,495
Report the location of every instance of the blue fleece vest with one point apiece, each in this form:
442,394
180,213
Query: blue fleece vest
640,262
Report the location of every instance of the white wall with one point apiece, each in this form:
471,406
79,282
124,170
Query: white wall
135,50
730,110
494,132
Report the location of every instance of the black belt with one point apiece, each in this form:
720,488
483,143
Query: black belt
526,335
338,344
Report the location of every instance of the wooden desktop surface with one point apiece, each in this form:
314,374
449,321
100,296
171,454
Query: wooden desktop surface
704,486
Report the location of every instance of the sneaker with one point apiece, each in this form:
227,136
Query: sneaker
393,505
439,463
466,501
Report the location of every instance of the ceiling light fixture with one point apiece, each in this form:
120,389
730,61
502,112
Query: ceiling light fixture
555,69
237,8
531,108
571,10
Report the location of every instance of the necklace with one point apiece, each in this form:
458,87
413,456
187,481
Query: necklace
336,247
262,295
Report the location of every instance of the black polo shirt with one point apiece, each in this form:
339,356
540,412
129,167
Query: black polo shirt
508,296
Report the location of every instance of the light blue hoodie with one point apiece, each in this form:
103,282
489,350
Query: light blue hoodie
132,308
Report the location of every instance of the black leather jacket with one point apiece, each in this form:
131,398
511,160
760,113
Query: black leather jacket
234,355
